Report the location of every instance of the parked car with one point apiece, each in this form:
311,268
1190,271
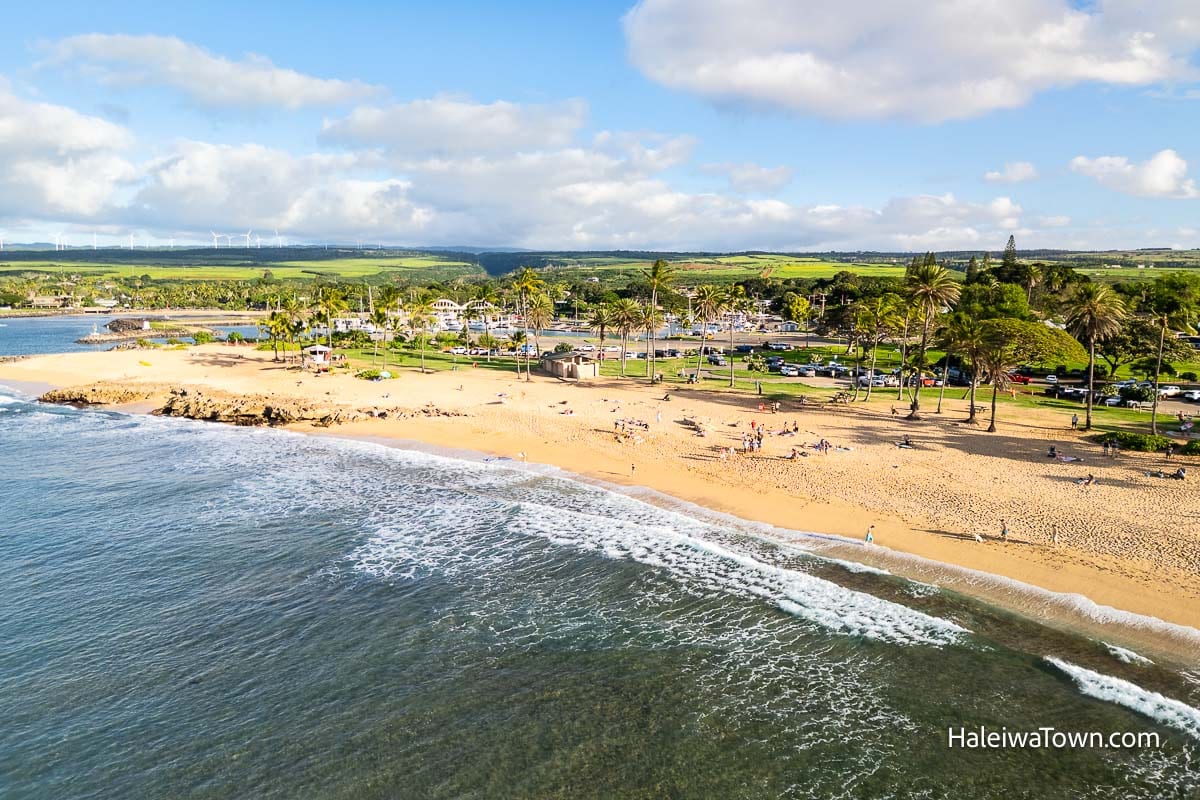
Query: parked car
1016,377
459,351
1052,378
1169,391
789,371
1112,401
1145,405
778,346
718,360
807,372
744,348
1192,395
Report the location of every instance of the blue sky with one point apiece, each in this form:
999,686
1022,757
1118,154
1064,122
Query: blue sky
681,124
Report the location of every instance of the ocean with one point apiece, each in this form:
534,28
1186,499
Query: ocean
189,610
21,336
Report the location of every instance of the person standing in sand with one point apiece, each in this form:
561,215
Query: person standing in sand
1004,531
1054,534
1074,422
870,534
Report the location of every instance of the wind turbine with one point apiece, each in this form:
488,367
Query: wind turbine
228,239
93,240
131,241
258,241
278,241
171,246
57,236
215,236
247,235
1,242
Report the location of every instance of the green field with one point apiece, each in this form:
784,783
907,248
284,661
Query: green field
727,269
418,267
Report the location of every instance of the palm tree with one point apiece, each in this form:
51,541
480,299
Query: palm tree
540,313
330,305
877,319
487,299
276,327
660,276
931,288
1094,313
963,335
626,315
1007,343
602,319
380,319
420,315
651,320
735,303
526,284
294,314
707,303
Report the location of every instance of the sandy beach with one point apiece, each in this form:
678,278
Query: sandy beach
1128,541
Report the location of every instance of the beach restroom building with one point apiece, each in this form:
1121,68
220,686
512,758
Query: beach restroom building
578,366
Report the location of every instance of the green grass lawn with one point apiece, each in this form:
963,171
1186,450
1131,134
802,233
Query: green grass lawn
426,268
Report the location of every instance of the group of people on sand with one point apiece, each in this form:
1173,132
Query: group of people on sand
630,430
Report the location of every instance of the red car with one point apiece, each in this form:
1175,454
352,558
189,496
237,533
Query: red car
1022,379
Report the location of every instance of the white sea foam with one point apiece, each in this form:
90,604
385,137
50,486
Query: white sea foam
703,564
1127,656
1171,713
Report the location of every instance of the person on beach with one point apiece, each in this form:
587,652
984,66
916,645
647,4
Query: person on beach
632,469
870,534
1054,534
1106,448
1088,481
1074,422
1170,450
1004,531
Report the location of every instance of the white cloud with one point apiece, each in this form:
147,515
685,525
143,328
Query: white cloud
1163,175
235,187
55,161
748,177
209,80
906,58
1060,221
451,125
1013,172
62,168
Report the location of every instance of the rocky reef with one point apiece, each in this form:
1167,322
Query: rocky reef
234,409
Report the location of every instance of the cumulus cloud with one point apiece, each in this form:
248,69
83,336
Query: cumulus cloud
1058,221
235,187
1163,175
748,177
57,161
614,190
207,79
1013,172
906,58
453,125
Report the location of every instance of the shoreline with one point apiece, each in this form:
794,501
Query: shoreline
503,417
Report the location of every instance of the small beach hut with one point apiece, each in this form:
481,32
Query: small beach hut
571,365
318,354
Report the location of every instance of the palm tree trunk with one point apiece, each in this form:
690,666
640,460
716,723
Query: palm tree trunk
945,380
870,383
624,340
995,388
903,353
653,305
487,337
731,354
1087,425
916,401
1162,338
